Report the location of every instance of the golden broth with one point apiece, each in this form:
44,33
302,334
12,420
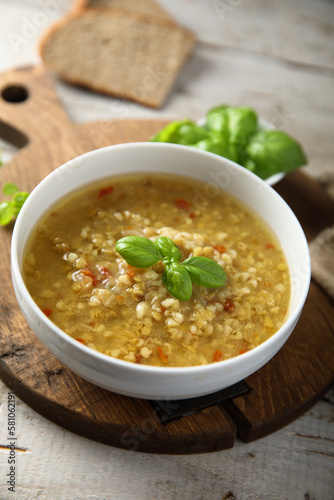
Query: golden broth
84,286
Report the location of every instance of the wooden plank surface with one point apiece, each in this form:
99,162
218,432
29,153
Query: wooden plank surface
288,385
242,58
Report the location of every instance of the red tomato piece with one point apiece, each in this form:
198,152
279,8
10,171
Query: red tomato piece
104,271
88,272
220,248
79,339
47,311
162,355
229,305
183,204
218,355
105,191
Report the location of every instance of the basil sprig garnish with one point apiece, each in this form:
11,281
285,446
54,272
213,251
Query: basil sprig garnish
178,277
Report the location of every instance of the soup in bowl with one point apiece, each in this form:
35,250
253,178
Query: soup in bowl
223,284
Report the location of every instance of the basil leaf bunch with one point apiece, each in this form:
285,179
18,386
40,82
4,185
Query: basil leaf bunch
178,277
10,209
235,133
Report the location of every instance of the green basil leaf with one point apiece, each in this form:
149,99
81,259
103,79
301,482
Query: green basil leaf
9,188
20,197
138,251
6,212
219,145
184,132
274,151
217,120
235,124
242,122
168,249
233,132
205,272
177,281
18,200
10,209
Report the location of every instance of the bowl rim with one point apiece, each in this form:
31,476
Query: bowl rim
17,277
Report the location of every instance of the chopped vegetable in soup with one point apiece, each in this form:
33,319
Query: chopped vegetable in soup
84,285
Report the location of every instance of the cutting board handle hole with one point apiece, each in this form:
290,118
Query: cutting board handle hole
15,93
12,135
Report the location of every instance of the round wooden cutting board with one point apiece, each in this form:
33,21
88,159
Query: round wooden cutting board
31,117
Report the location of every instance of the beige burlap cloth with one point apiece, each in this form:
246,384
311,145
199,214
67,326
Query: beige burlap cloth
322,247
322,259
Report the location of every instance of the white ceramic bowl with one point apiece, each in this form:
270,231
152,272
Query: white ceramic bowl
148,381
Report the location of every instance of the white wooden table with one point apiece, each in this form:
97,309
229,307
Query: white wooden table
277,57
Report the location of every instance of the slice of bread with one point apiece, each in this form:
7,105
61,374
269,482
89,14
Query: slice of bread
116,52
148,7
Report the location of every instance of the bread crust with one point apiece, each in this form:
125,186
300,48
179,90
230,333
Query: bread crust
159,12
